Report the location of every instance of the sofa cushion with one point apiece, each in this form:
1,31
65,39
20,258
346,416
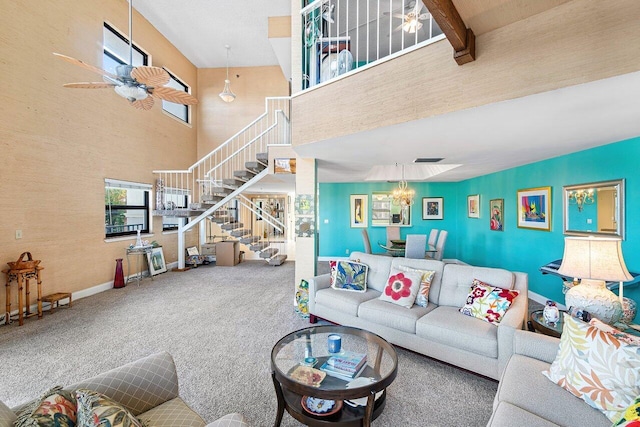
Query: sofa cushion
402,287
174,413
457,279
349,276
422,299
7,416
345,302
424,264
392,315
522,384
597,367
55,407
488,303
446,325
508,415
379,266
96,409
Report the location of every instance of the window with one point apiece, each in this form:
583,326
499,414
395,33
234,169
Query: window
177,110
126,208
175,198
116,50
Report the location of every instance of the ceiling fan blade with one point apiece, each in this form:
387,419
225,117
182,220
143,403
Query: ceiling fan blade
143,104
85,65
173,95
89,85
423,16
150,76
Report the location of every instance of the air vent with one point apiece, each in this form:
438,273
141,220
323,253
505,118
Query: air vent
427,160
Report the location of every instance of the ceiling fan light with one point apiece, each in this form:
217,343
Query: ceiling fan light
132,93
412,25
226,95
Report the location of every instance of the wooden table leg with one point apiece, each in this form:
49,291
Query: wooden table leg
280,396
27,293
7,292
20,299
39,282
368,410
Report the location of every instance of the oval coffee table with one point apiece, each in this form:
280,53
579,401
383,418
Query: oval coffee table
288,356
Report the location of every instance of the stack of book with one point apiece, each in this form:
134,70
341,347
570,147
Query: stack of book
346,365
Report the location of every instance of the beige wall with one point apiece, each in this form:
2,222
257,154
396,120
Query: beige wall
220,120
58,145
576,42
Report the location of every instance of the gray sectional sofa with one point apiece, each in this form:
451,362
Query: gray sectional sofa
527,398
438,330
148,388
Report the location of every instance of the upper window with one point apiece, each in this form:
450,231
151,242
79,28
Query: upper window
126,208
178,110
116,50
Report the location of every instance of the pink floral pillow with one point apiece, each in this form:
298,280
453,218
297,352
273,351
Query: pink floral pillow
402,287
487,302
332,277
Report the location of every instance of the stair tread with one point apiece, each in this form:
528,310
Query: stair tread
239,232
268,253
256,247
278,259
262,157
232,225
249,240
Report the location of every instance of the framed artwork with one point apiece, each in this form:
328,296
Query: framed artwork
155,258
534,208
192,251
432,208
473,206
284,165
496,214
358,208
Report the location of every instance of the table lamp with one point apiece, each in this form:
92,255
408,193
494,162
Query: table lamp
594,261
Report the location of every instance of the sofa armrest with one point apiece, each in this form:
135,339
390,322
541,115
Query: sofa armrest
231,420
140,385
315,284
537,346
514,319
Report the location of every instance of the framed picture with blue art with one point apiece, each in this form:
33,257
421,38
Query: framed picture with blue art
534,208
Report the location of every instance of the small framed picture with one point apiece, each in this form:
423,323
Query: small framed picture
473,206
358,205
496,214
192,251
155,258
534,208
432,208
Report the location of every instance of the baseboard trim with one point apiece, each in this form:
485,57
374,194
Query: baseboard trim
541,299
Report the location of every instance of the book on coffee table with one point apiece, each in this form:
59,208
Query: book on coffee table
346,365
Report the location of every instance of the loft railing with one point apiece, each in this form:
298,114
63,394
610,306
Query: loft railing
205,177
343,36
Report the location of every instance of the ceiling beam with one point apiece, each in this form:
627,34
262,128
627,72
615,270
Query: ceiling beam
461,38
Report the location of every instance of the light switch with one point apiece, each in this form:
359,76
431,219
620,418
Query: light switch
326,221
589,221
18,234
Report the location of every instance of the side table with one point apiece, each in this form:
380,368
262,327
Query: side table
537,323
138,252
22,277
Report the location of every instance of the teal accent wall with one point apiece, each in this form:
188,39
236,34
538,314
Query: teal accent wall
470,239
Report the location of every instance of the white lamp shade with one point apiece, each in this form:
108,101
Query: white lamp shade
591,258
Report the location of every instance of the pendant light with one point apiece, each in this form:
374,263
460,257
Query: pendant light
226,95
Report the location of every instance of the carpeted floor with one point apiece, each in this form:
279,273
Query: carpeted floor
220,324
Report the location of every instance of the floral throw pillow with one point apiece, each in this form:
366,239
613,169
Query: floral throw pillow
597,367
631,417
97,410
350,276
422,299
402,287
332,276
487,302
56,407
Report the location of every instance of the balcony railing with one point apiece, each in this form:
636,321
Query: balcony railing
343,36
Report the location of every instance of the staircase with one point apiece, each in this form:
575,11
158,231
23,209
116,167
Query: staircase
222,176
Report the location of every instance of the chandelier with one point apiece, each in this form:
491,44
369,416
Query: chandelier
403,195
226,95
581,198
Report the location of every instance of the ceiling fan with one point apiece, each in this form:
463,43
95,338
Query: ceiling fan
133,83
412,18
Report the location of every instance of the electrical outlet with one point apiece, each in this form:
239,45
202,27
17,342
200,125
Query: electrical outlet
18,234
589,221
326,221
346,251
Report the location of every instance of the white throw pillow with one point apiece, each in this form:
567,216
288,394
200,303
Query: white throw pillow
402,287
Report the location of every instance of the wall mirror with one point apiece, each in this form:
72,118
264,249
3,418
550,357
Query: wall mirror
594,209
384,212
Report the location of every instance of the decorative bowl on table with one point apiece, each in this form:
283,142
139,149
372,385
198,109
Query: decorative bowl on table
320,407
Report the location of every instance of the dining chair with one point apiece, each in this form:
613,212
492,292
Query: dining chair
393,233
367,242
433,236
415,246
442,238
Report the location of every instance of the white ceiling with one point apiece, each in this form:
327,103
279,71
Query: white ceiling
201,28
